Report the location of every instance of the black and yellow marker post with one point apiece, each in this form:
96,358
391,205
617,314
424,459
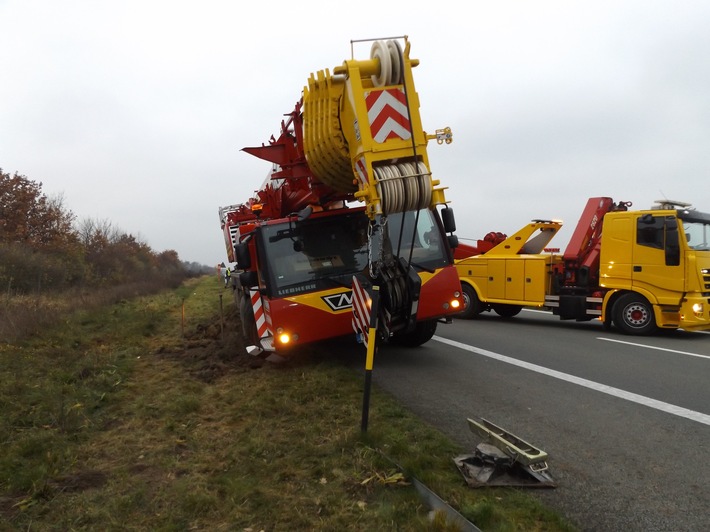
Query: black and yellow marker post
370,359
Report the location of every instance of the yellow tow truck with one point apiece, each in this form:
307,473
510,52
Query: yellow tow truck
646,270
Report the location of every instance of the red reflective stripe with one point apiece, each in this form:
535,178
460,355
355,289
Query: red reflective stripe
387,112
361,170
260,316
361,314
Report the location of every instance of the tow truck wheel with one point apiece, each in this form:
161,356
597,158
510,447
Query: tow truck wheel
633,314
507,311
421,334
472,306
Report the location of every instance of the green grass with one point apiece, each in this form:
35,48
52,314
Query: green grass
135,417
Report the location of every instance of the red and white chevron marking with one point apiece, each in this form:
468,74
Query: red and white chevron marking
361,170
387,113
361,310
260,316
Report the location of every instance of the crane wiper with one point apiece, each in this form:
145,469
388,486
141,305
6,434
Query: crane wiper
421,267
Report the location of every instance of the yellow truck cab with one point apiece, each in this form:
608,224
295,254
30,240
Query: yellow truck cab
655,266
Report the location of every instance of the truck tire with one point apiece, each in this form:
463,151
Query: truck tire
507,311
472,306
633,314
421,334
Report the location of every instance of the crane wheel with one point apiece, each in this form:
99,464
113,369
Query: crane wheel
246,317
421,334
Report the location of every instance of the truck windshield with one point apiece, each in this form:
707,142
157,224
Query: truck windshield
325,251
697,234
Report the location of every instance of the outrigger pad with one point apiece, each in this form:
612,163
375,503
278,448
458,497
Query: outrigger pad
503,460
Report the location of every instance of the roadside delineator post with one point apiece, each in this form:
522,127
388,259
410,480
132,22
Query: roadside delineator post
365,301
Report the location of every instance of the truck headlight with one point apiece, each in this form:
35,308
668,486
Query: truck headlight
698,309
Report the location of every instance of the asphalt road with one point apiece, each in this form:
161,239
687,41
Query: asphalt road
625,420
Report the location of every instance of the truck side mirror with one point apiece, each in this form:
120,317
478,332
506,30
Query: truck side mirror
242,255
453,241
447,217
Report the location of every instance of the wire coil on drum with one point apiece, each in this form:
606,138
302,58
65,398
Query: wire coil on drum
402,187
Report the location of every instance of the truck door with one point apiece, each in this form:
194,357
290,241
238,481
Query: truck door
515,279
496,278
657,263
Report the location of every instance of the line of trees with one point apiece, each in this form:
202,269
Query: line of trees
44,248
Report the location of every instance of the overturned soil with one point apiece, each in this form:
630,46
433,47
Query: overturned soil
216,348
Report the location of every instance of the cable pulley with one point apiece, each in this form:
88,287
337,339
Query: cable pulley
389,54
403,188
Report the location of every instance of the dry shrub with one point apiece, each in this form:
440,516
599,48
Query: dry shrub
24,315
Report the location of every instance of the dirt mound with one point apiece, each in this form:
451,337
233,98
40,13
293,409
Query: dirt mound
216,347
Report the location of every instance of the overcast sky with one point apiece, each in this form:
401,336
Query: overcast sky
136,111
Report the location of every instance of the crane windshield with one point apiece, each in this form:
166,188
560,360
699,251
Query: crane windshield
326,250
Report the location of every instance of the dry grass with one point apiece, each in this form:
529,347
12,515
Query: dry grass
115,421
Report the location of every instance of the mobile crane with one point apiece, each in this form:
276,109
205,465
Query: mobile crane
350,193
638,270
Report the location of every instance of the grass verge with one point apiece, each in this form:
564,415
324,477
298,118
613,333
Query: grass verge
145,415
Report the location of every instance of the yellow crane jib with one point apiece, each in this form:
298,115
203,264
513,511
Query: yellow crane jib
363,131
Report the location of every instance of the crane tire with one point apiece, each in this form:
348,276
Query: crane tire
421,334
246,316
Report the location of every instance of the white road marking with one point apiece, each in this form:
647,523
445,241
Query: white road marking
654,347
603,388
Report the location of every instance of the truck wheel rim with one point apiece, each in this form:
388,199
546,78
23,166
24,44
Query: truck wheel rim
636,315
